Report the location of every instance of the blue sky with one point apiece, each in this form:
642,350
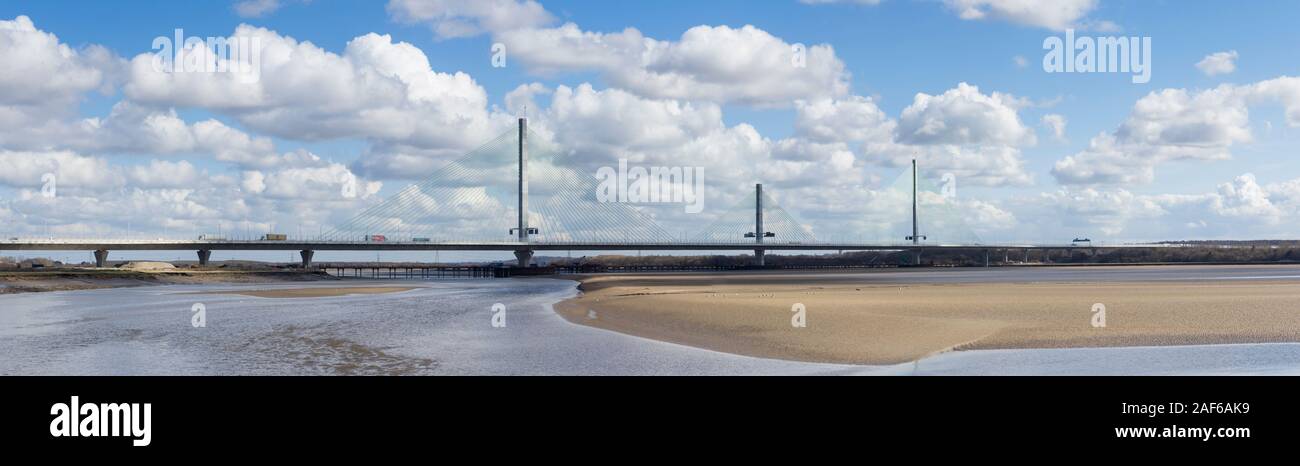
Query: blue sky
1198,154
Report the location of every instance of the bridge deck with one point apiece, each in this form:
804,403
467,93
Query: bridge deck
190,245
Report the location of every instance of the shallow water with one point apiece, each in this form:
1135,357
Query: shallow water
447,328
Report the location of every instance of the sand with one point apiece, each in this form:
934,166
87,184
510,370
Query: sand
856,323
73,279
315,292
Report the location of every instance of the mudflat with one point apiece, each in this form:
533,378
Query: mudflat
859,319
71,279
323,292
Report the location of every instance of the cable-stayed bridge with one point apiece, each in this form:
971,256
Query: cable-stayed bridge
515,193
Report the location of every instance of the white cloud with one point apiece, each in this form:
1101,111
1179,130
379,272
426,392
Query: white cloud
1176,124
256,8
1218,63
963,115
1284,90
821,2
1244,197
97,198
60,76
164,174
71,171
1050,14
521,101
1056,124
1084,212
975,136
1240,208
612,121
378,90
743,65
851,119
44,78
1056,14
465,18
328,182
724,64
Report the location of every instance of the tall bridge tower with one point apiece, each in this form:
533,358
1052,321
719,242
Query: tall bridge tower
524,256
759,231
916,228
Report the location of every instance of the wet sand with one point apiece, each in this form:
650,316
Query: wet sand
315,292
71,279
865,318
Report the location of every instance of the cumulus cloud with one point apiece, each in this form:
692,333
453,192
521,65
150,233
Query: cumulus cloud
71,171
256,8
1176,124
1241,207
164,174
376,89
1218,63
723,64
465,18
1056,124
328,182
745,65
851,119
963,115
1244,197
38,103
96,197
1056,15
45,78
975,136
859,2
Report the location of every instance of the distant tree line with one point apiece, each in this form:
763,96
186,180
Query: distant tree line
1187,252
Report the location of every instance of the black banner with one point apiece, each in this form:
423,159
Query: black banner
321,414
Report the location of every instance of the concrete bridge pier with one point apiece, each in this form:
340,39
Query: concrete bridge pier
524,256
101,258
306,257
204,255
760,257
986,258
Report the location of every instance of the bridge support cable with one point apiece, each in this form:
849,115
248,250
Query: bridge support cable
569,208
759,217
937,213
478,197
451,203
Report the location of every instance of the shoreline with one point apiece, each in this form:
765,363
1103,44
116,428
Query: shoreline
92,279
852,318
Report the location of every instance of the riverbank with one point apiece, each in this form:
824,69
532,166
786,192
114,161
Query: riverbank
71,279
313,292
891,318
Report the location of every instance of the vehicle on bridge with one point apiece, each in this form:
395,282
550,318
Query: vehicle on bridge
212,238
275,237
376,239
1081,240
420,240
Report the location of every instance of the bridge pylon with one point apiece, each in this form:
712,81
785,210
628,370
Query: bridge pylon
524,256
759,231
